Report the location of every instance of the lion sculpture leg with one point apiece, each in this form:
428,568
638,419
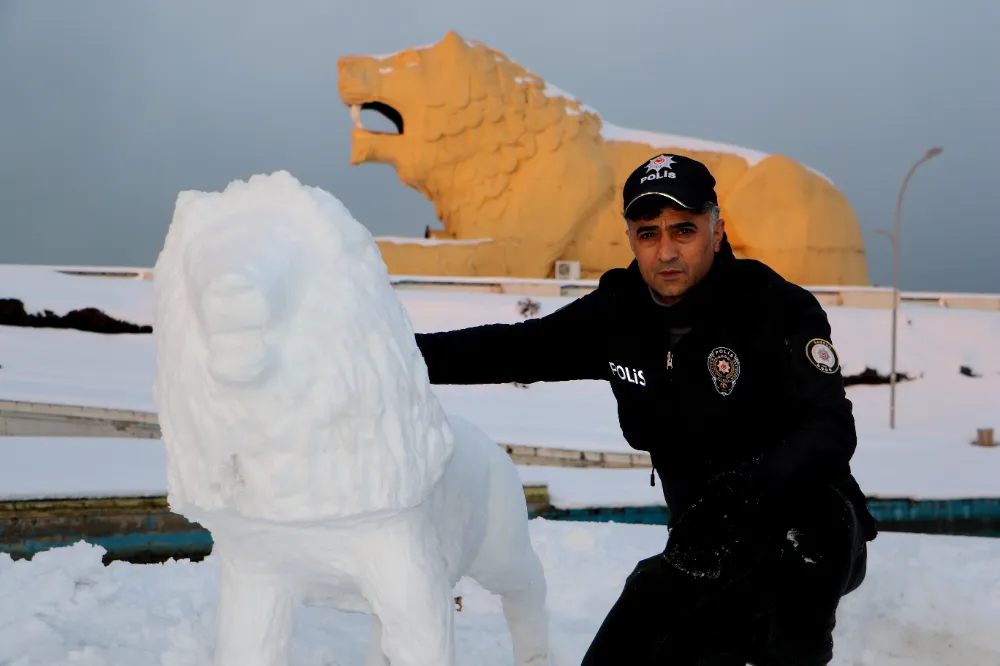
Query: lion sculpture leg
301,430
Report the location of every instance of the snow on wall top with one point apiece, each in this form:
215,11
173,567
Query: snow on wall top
408,240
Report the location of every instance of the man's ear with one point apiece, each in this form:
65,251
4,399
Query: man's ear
720,230
630,236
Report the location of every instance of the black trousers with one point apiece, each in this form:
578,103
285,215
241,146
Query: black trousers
781,612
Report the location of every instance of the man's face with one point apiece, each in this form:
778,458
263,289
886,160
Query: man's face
675,250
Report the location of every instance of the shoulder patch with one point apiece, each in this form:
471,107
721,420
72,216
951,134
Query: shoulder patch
821,354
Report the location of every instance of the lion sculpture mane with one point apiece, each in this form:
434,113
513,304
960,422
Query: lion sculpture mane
301,430
522,174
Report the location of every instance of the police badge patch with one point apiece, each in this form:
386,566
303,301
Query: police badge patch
724,367
821,354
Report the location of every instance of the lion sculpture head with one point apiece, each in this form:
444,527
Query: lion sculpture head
471,126
289,384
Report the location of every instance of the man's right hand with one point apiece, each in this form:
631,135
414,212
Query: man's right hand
718,537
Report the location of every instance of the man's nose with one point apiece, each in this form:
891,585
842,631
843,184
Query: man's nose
666,251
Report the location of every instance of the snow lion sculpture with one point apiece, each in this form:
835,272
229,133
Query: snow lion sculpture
301,430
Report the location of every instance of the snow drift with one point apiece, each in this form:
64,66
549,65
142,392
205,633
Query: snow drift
300,429
928,601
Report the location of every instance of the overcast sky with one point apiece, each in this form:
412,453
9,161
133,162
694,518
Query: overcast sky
109,108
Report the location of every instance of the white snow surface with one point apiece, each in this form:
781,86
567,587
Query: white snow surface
612,132
410,240
918,467
928,455
927,601
932,341
386,56
42,288
662,140
301,430
658,139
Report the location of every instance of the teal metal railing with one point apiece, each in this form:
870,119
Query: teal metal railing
144,529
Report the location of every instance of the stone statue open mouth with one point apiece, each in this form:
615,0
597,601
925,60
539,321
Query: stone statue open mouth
394,116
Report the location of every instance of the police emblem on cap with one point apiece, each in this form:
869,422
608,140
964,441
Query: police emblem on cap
724,367
660,162
821,354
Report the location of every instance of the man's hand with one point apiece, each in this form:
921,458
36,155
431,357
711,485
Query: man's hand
718,537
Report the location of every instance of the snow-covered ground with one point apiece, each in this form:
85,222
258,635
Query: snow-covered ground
927,455
91,467
932,340
41,288
927,601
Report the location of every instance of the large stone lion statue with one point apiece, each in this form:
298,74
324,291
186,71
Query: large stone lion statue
522,174
301,430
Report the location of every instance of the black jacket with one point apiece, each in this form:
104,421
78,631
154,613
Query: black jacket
738,389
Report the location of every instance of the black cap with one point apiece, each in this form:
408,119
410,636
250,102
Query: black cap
686,181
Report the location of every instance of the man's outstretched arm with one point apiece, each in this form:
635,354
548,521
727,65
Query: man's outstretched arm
562,346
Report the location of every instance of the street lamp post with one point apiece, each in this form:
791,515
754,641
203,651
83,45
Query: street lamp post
933,152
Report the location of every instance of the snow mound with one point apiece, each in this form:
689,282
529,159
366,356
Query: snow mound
927,601
275,321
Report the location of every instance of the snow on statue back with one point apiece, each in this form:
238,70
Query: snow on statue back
301,430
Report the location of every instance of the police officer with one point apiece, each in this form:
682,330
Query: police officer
726,374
